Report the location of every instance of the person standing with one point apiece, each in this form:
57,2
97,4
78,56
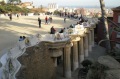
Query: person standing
39,21
46,20
50,19
64,19
17,16
10,16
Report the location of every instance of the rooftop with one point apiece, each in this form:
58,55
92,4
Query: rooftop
116,8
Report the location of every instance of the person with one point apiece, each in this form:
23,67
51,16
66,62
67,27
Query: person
46,20
52,30
61,31
24,37
10,16
50,18
21,38
64,19
27,42
17,16
39,21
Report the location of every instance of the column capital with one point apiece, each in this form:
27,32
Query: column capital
75,38
87,30
69,44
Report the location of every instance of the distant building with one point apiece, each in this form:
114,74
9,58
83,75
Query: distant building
116,14
52,7
116,19
28,5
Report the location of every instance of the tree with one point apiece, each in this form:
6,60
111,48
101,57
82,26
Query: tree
2,2
14,1
105,25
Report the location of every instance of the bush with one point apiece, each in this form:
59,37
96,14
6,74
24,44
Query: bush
56,12
12,8
86,63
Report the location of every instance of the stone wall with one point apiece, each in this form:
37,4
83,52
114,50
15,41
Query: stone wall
36,64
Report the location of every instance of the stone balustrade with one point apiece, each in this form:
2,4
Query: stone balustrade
80,39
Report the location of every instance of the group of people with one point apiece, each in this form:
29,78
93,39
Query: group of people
47,20
22,38
10,16
53,31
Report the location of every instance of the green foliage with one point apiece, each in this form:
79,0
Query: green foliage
97,71
86,63
2,3
56,12
12,8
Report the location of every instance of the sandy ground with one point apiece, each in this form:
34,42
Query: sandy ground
26,25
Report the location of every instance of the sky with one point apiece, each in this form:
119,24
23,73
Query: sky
114,3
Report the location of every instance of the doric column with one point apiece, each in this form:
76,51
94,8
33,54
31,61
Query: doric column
81,50
86,44
92,37
67,61
55,61
75,55
89,41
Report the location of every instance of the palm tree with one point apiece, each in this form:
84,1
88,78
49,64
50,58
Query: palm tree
105,24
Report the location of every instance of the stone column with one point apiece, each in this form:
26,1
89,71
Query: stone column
92,37
75,55
81,50
62,54
67,62
0,64
55,61
89,41
86,45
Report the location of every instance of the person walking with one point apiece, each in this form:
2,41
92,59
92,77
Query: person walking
39,21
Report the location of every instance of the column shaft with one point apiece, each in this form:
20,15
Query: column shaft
93,37
81,50
89,41
75,55
55,61
67,62
86,45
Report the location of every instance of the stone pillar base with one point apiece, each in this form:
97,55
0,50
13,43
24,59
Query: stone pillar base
93,44
75,65
81,58
90,48
67,74
86,53
55,61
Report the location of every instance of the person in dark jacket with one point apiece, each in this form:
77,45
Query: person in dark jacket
52,30
39,21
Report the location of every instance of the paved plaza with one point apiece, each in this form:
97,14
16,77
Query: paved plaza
27,26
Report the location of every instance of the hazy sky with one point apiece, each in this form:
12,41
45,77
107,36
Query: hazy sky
75,2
